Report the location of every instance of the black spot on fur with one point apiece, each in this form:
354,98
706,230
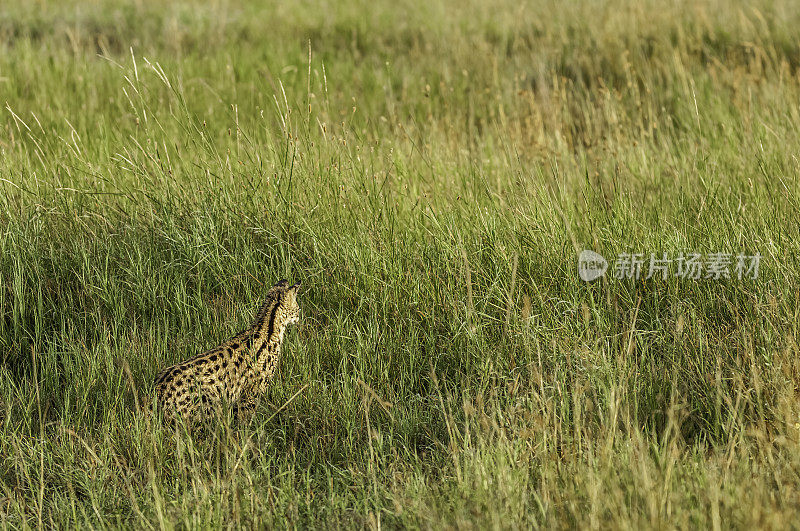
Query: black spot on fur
271,325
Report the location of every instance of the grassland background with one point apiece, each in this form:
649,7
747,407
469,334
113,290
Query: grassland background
428,171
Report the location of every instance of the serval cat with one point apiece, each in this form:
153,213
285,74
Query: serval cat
235,373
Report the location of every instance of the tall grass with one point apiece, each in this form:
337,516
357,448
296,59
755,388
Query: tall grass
429,171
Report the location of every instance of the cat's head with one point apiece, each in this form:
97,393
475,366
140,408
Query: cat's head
288,308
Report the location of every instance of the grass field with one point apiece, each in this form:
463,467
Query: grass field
429,171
